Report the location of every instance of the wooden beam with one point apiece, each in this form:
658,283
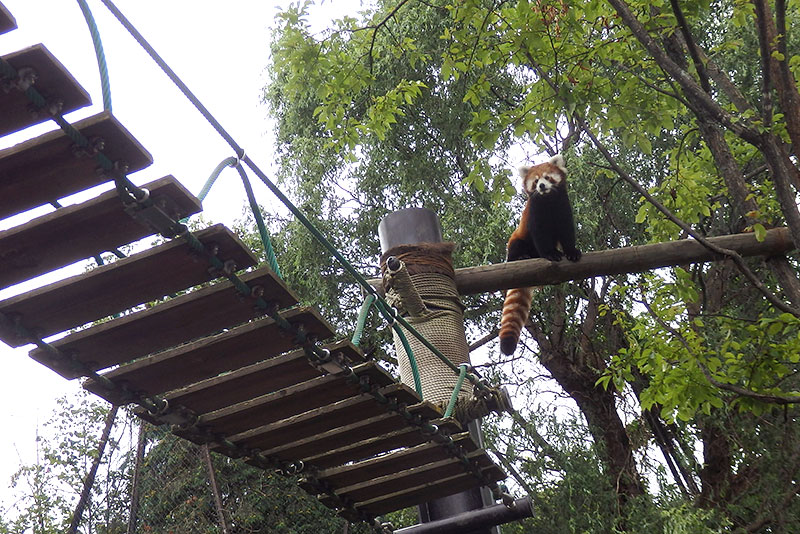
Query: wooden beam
249,382
174,322
357,441
48,168
435,489
322,420
80,231
392,463
209,356
7,22
539,272
291,401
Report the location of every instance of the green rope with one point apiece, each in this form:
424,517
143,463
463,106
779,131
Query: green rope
411,359
98,50
362,319
456,390
251,199
227,162
383,306
262,228
370,301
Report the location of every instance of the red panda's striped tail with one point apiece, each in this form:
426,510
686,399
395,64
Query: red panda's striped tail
516,308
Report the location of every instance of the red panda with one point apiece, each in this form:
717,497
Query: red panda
546,224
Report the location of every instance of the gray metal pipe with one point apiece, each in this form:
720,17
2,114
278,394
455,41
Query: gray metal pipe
475,519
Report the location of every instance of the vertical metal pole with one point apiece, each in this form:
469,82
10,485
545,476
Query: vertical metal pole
408,227
212,478
133,515
92,474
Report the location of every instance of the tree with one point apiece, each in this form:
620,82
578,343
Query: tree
176,495
47,491
690,106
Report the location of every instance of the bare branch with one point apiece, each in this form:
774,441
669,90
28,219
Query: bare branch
484,340
691,45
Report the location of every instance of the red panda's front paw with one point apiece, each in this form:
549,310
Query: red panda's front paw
573,255
556,255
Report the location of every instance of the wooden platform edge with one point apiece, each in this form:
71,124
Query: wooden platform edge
7,20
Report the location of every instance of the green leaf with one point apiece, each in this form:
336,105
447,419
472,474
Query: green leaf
641,215
760,232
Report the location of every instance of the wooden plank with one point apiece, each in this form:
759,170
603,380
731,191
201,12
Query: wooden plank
394,438
53,81
255,380
209,356
7,21
47,168
292,401
441,487
395,462
410,478
80,231
120,285
322,420
359,440
179,320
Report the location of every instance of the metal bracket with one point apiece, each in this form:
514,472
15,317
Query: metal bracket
157,215
26,77
95,145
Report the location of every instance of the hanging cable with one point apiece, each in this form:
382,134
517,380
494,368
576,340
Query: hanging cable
105,83
251,199
383,307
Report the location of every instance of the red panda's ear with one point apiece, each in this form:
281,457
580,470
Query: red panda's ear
523,171
558,161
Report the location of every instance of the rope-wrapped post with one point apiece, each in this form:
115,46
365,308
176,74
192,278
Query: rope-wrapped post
419,281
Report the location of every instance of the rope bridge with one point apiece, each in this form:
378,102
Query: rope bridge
234,362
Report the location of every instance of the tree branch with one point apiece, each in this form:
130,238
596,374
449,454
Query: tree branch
737,259
693,91
484,340
537,272
733,255
691,45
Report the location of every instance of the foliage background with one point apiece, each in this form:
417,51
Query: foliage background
661,401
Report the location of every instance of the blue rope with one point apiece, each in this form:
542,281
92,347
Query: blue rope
105,84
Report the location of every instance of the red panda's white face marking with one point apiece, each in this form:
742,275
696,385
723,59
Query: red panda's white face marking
544,178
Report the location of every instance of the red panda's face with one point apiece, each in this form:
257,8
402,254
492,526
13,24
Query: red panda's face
544,178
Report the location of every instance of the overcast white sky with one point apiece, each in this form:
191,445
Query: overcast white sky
220,50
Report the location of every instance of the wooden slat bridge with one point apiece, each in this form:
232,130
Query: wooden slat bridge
216,367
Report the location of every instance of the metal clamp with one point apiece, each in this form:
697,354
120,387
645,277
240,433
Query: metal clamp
25,79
